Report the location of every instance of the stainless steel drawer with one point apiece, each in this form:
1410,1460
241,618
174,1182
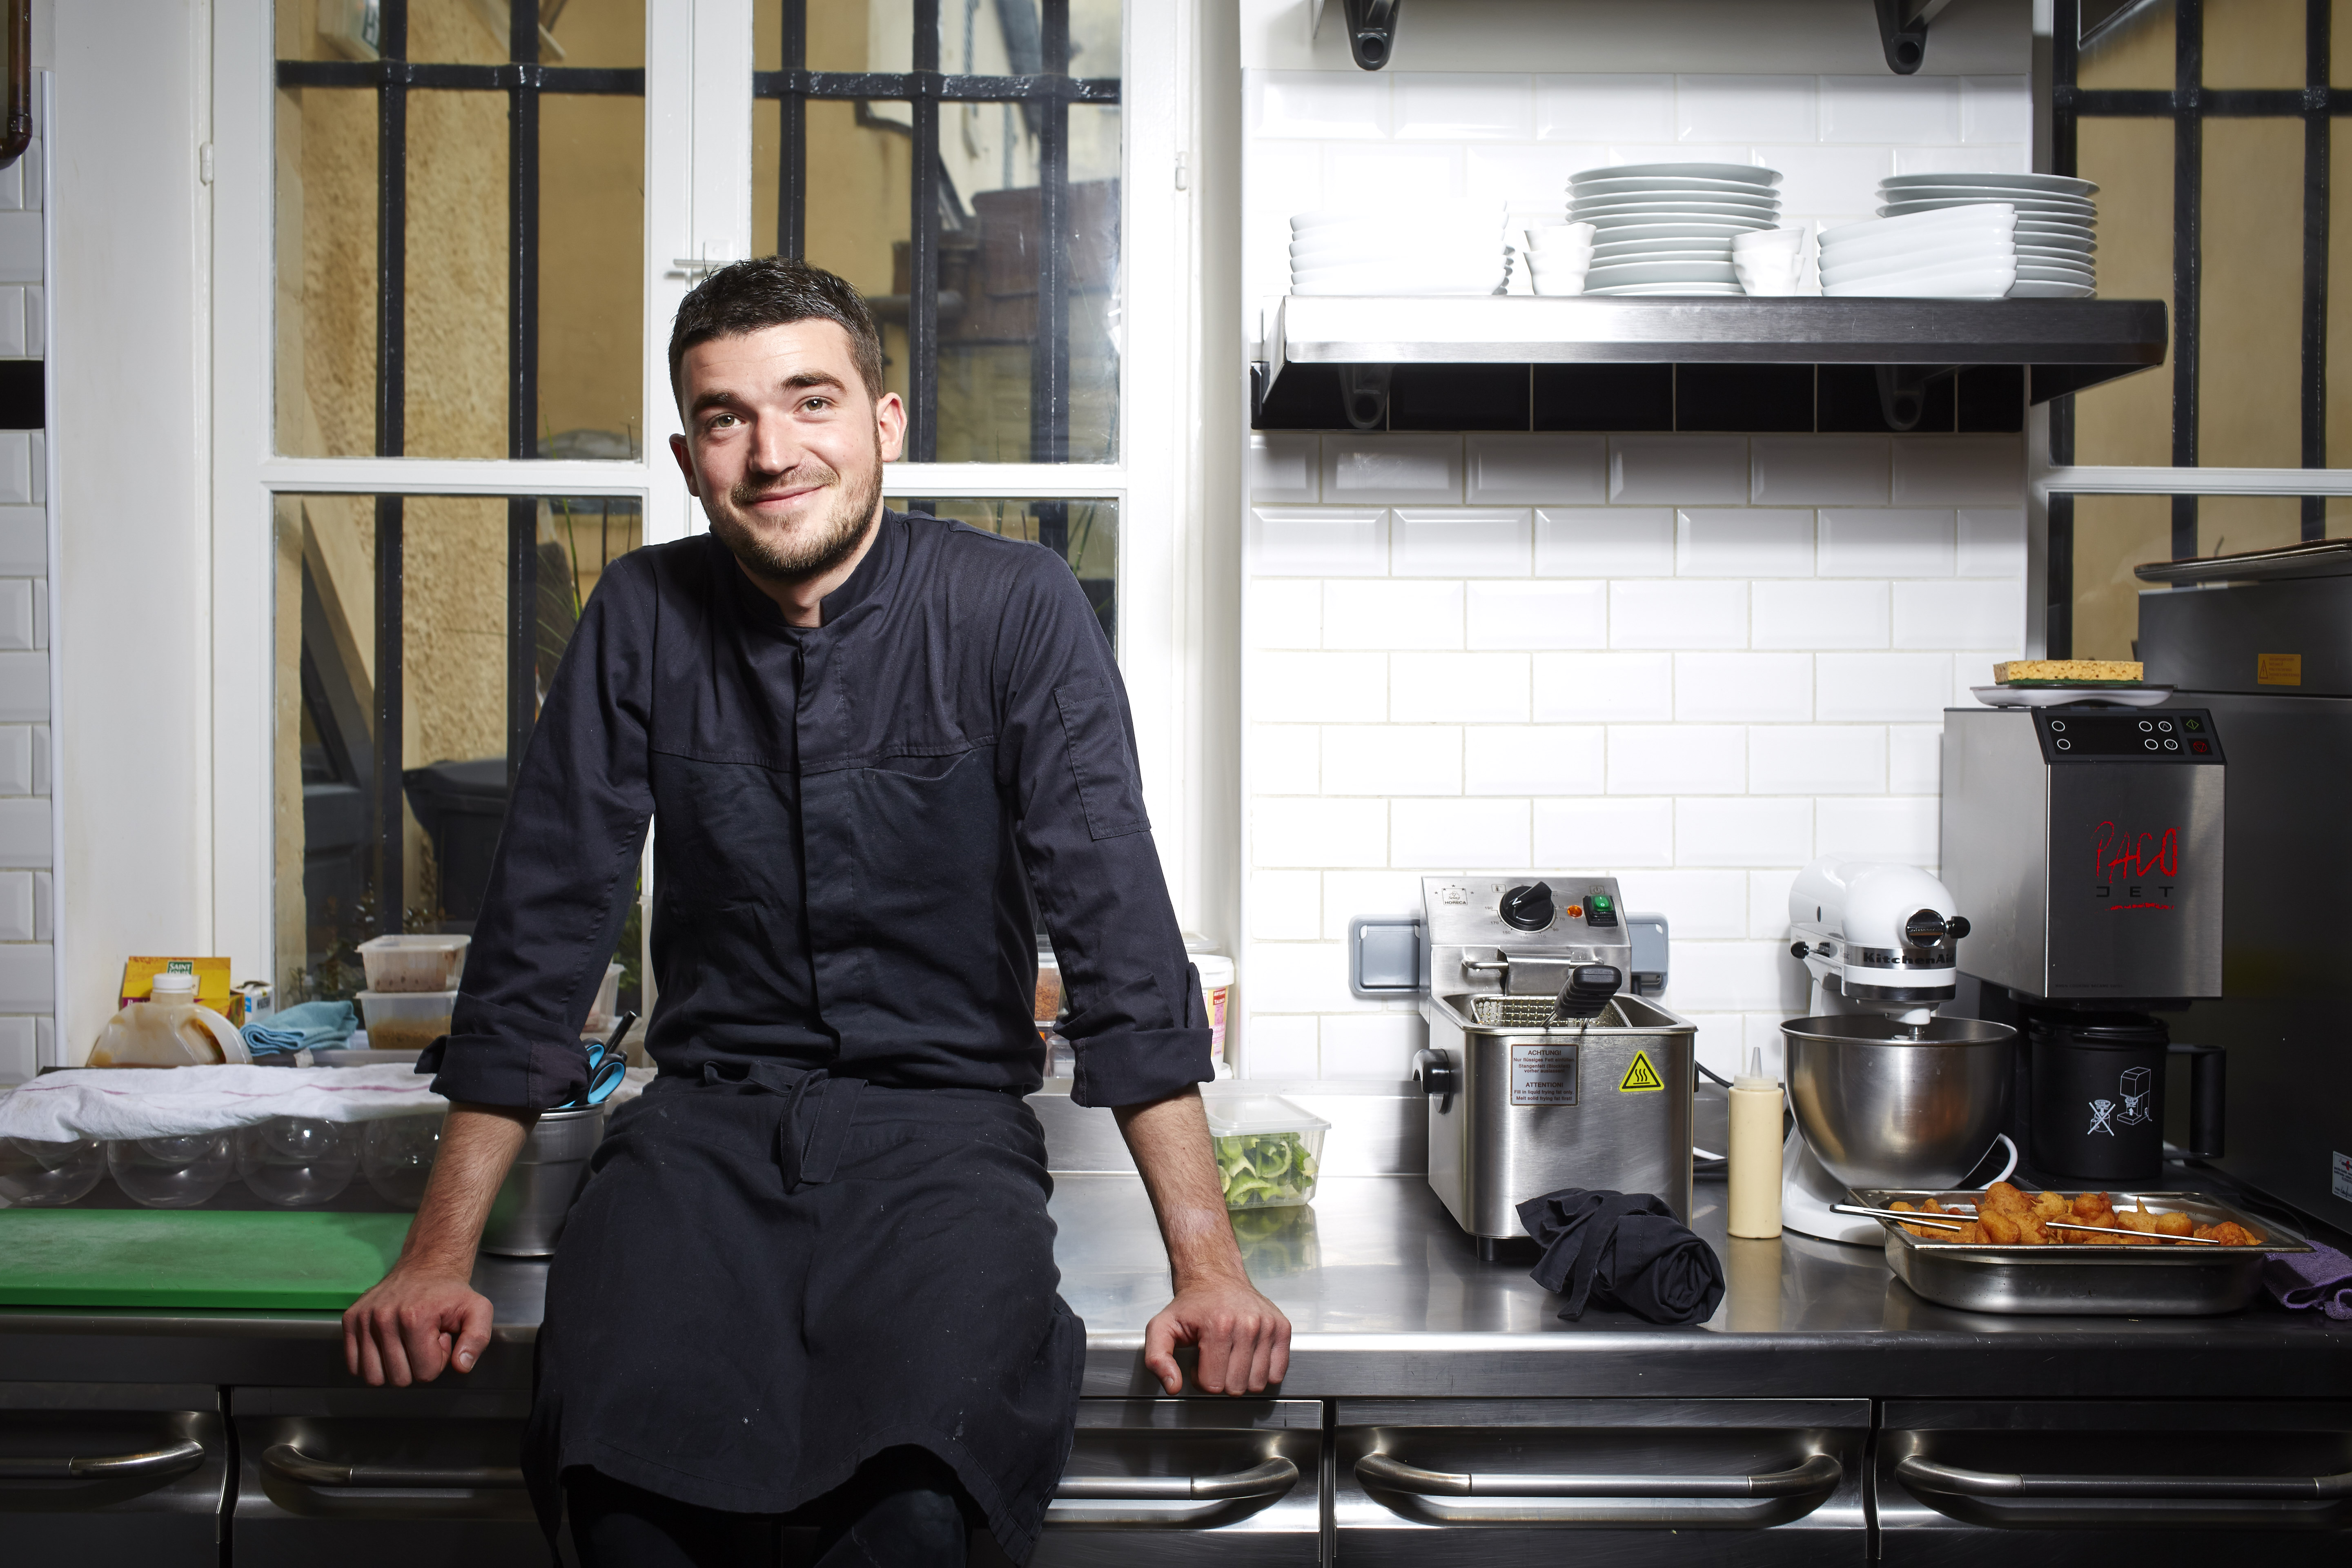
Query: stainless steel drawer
397,1477
2145,1481
104,1473
1501,1481
1238,1482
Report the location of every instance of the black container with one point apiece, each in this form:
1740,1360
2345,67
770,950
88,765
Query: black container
2098,1098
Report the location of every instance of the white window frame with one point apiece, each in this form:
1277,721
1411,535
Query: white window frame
698,111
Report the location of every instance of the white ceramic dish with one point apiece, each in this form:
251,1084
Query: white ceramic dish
2053,696
1976,195
1732,290
2047,232
1703,233
2075,254
2028,290
2060,184
1559,287
2028,272
1844,270
1918,251
1559,236
1662,272
1977,282
1950,222
1702,257
1745,174
1687,200
1671,187
2025,209
1658,225
1765,239
1707,212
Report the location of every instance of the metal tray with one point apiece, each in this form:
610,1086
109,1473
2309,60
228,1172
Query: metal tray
2160,1282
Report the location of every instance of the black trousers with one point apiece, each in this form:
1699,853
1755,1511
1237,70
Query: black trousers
903,1508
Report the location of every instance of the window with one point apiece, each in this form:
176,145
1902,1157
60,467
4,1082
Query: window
450,237
2210,127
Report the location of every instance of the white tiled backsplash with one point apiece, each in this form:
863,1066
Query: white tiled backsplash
1695,697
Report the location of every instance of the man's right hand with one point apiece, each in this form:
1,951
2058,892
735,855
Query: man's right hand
424,1314
414,1324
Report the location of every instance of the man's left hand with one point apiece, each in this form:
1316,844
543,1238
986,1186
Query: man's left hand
1244,1339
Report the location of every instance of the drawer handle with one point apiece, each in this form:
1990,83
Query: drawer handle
295,1465
1271,1480
156,1464
1927,1475
1819,1473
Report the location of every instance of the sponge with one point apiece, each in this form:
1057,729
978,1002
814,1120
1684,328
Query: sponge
2072,671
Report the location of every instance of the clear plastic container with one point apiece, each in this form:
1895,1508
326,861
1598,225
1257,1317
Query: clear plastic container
405,1020
295,1161
169,1030
1269,1153
397,1155
36,1173
414,963
176,1172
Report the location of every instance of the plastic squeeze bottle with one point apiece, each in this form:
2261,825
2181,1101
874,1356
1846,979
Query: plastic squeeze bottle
1755,1151
171,1030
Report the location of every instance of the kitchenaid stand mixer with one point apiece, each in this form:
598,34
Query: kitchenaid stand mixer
1880,941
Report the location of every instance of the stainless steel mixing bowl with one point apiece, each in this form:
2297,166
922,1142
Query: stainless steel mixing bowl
1882,1105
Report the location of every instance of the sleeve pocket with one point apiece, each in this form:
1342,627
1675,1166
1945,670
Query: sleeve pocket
1100,765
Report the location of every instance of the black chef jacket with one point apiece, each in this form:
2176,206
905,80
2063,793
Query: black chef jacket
843,814
822,1231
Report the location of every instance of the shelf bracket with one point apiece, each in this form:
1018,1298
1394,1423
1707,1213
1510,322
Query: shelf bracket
1367,392
1902,392
1371,28
1903,31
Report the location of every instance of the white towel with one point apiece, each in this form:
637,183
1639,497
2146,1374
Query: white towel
166,1103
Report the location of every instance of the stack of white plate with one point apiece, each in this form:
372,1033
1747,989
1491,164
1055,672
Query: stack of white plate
1968,254
1424,248
2055,222
1667,228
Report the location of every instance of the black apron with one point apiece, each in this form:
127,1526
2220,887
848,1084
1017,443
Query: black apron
770,1278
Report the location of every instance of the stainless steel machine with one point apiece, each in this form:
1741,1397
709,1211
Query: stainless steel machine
2087,840
1541,1072
2262,642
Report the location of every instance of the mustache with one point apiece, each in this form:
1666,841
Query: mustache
748,492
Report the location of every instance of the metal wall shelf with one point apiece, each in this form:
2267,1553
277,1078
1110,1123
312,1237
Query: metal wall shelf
1602,363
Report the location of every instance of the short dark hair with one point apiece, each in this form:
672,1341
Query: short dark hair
773,292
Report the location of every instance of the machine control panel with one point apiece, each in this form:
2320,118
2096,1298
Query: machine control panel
2181,735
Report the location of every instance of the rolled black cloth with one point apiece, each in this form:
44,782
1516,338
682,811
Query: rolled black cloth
1622,1249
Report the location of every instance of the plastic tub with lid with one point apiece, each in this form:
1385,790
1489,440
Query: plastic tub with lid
414,963
405,1020
1269,1152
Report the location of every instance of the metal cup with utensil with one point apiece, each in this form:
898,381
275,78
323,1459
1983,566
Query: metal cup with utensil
527,1217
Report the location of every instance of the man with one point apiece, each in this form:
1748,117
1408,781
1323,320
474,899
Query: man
811,1278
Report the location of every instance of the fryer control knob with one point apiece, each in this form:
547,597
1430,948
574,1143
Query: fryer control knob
1529,908
1436,1073
1798,950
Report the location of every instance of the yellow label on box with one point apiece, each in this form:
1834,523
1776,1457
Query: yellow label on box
2278,669
213,988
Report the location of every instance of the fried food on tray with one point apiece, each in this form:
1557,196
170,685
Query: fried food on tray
2008,1217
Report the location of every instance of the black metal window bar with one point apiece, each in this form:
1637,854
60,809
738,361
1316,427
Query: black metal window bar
523,79
1044,90
2187,104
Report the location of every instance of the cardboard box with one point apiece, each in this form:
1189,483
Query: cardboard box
212,987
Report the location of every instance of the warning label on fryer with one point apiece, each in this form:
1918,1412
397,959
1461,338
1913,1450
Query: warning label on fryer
1543,1075
1641,1078
2339,1176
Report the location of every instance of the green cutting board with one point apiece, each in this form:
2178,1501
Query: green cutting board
193,1258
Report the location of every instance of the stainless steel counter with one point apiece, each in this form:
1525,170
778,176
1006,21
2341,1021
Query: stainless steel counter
1388,1299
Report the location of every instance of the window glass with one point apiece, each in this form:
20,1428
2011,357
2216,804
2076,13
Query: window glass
997,336
454,189
456,652
1083,533
2250,340
2255,43
2134,50
2129,421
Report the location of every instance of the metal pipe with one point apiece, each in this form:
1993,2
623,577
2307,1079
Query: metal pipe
791,146
923,241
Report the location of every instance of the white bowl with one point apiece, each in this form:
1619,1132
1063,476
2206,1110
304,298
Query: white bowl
1560,287
1740,173
1557,235
1838,269
1966,282
1769,239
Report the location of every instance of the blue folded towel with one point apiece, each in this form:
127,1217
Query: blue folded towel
312,1024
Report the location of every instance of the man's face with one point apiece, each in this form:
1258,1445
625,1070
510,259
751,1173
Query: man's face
784,446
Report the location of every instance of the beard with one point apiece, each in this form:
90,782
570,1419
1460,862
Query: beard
816,545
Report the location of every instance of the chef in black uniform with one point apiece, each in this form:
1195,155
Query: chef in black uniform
811,1278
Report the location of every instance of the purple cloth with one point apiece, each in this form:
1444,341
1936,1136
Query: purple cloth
2321,1278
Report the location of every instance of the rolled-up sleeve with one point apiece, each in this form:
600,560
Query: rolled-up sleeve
1066,741
566,867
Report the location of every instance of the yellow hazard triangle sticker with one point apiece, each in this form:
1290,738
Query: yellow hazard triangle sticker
1641,1075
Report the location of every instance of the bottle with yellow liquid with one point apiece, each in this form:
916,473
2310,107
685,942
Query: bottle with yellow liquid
1754,1154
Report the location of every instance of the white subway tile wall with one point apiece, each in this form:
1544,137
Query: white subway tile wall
27,988
1693,661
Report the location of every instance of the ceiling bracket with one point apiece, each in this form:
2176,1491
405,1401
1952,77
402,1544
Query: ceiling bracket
1902,392
1903,31
1371,28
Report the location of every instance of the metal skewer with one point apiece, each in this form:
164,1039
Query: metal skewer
1902,1216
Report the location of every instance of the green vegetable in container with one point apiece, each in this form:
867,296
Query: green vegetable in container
1265,1170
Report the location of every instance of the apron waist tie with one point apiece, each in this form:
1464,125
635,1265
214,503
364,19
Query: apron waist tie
808,1158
